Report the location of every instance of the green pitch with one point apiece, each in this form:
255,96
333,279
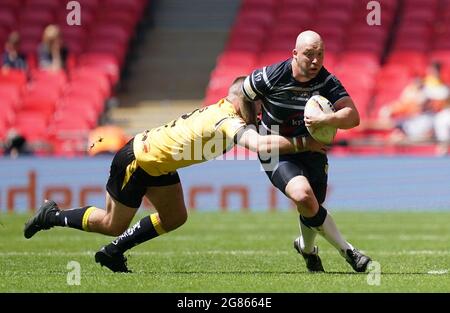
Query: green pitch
235,252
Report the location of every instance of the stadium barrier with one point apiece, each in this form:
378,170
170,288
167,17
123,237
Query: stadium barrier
355,183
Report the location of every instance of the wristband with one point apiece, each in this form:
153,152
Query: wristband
304,142
295,144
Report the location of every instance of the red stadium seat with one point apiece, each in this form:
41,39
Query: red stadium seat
247,33
415,61
9,95
7,112
12,76
420,45
33,16
31,33
393,76
32,125
111,32
295,18
120,18
237,58
256,17
89,4
80,90
93,78
46,79
105,46
442,56
268,58
82,109
367,62
7,19
336,17
48,5
14,5
103,62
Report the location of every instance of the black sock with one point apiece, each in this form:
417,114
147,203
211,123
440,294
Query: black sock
73,218
147,228
316,220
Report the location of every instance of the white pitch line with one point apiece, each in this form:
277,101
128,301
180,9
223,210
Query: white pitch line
221,252
438,272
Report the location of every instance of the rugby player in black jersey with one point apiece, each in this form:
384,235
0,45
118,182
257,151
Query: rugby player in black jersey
284,89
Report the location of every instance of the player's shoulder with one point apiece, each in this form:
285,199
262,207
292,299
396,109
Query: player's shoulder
222,110
280,69
275,70
328,77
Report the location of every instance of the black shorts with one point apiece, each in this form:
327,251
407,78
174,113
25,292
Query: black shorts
312,165
129,190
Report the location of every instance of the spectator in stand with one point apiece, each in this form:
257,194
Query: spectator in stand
409,119
434,87
52,53
16,145
408,104
12,58
442,129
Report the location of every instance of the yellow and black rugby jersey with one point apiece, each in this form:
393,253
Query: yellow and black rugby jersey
194,137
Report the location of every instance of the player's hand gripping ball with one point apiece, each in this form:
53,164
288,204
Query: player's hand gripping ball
316,106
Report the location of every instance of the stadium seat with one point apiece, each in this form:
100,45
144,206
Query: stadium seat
36,16
441,55
7,112
10,95
32,125
7,19
268,58
48,5
89,4
415,61
103,62
15,77
94,78
236,58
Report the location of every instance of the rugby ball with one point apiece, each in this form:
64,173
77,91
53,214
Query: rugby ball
316,106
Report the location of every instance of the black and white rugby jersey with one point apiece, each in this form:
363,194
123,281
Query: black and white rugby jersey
284,98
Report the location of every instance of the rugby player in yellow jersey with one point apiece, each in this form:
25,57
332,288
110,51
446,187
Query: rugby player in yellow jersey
147,166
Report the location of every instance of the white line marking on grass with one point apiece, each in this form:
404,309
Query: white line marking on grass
407,237
220,252
438,272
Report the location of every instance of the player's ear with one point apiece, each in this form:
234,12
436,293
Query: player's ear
248,110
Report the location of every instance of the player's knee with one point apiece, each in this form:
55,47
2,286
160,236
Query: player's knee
180,219
302,197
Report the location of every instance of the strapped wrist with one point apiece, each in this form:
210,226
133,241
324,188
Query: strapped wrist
295,140
304,142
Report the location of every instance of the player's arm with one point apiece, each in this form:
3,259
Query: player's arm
346,115
249,138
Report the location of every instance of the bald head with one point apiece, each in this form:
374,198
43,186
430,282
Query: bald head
307,38
307,56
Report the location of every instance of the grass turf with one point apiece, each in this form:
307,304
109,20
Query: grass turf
235,252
